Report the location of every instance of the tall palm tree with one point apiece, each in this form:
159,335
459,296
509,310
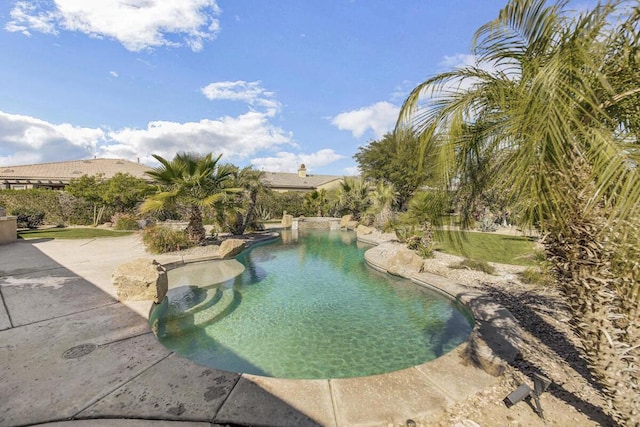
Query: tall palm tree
191,181
549,116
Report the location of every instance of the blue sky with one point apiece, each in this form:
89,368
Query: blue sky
269,83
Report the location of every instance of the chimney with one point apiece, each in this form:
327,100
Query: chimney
302,171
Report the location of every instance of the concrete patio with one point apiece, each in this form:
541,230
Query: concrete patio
71,354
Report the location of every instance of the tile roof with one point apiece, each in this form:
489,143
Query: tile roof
65,171
293,180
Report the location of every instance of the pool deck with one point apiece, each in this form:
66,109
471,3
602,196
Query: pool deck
71,354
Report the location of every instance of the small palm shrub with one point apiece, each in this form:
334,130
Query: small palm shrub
160,239
417,239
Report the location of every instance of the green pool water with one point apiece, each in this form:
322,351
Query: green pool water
306,306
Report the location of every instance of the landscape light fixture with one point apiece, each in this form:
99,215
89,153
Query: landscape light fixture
523,392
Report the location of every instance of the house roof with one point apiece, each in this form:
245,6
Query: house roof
65,171
61,173
285,180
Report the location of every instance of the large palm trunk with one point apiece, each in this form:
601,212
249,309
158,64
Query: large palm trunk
195,229
601,282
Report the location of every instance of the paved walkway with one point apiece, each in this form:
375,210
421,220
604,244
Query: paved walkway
69,351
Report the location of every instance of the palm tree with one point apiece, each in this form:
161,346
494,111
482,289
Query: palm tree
383,197
353,196
549,117
316,202
191,181
237,213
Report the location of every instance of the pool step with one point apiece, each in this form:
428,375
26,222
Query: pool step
213,295
228,302
174,323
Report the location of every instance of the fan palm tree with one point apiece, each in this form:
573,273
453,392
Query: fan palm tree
549,116
237,213
353,196
191,181
383,197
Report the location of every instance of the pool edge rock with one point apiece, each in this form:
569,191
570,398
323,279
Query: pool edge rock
139,280
494,341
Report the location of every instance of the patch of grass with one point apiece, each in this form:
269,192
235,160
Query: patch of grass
70,233
489,247
539,276
473,264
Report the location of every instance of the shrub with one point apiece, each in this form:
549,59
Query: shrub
487,224
419,240
539,276
472,264
29,218
160,239
124,222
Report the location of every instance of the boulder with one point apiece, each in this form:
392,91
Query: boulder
345,220
405,263
363,230
231,247
140,279
287,220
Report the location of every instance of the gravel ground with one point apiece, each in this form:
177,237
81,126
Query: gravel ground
550,348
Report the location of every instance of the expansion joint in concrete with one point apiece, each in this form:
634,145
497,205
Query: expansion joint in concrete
213,419
334,404
6,309
94,401
66,315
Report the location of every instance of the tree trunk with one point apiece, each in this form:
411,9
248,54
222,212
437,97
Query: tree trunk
601,284
195,229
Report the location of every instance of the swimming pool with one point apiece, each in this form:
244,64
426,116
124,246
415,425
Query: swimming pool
306,306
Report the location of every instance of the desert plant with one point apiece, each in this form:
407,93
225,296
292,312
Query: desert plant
124,222
537,276
159,239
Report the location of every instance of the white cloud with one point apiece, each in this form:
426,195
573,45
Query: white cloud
380,118
25,139
235,137
137,24
351,171
250,92
402,91
114,74
458,60
289,162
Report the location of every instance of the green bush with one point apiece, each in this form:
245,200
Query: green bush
472,264
59,207
160,239
274,203
124,222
